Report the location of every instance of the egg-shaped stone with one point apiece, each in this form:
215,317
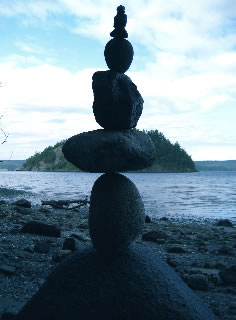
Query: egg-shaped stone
116,214
119,54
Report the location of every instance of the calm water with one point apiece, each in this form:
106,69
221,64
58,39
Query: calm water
199,195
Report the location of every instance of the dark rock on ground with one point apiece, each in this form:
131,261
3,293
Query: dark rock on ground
40,228
228,275
69,244
110,151
22,203
197,281
172,262
154,235
23,210
232,308
135,285
164,219
226,250
83,226
42,246
9,308
116,214
44,210
224,223
176,249
29,249
3,202
119,54
214,265
7,270
79,237
148,219
60,255
117,103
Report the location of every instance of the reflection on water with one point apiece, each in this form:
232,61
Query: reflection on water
201,194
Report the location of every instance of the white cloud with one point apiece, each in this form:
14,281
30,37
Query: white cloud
46,86
38,9
190,72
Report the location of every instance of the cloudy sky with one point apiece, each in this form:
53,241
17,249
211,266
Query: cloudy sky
184,67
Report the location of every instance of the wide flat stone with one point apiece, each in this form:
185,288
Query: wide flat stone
117,103
116,213
137,284
35,227
110,151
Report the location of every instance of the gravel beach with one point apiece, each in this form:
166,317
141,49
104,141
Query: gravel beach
202,252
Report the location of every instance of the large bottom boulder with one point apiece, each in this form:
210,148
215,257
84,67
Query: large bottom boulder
133,285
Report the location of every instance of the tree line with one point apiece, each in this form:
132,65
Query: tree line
169,157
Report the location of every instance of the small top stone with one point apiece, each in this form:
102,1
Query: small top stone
119,51
120,21
120,9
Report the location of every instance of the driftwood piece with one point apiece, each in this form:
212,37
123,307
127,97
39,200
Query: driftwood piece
65,204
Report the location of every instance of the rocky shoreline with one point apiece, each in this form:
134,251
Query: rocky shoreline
202,252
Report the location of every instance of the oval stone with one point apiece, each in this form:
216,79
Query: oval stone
110,151
119,54
116,214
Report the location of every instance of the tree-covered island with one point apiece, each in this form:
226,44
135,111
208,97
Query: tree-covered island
170,157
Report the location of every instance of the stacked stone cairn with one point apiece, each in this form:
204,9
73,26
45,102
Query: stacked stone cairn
114,279
116,209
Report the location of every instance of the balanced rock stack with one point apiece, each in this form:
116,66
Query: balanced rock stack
116,209
115,280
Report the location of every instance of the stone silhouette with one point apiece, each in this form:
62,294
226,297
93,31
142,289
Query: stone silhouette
119,51
115,279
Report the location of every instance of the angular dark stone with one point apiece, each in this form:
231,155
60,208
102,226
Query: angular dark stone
148,219
42,246
22,203
154,235
40,228
110,151
61,255
226,250
10,307
176,250
117,103
119,54
69,244
228,275
172,262
135,285
197,282
224,223
79,237
7,270
116,214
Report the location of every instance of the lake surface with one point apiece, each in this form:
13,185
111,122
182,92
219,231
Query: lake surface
190,195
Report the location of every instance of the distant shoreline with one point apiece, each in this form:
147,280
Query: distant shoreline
211,165
77,171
